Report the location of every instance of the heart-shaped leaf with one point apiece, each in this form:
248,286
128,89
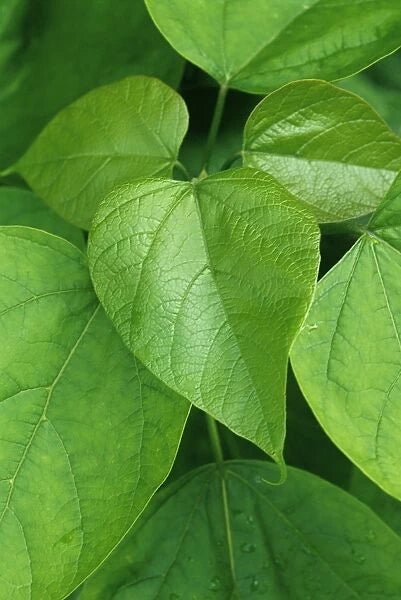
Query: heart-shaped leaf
258,45
347,358
22,207
326,145
53,52
131,128
87,434
304,539
208,283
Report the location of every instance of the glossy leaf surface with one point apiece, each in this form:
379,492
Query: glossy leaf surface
326,145
53,52
86,433
281,41
208,283
304,539
22,207
131,128
347,358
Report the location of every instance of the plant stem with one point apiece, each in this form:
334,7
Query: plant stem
215,440
183,169
218,453
215,124
230,161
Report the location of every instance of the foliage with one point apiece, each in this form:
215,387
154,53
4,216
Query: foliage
153,289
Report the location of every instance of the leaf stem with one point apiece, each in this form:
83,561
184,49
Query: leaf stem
215,440
215,124
218,453
182,168
230,161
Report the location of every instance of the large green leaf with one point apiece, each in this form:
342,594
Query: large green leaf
258,45
347,358
87,433
231,536
131,128
53,52
208,283
22,207
326,145
388,509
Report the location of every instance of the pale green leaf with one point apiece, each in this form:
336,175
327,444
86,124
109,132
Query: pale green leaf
304,539
52,52
258,45
87,434
326,145
347,358
22,207
208,282
131,128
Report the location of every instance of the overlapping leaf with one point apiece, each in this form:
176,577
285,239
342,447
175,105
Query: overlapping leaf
207,283
22,207
131,128
305,539
86,433
53,52
347,358
258,45
326,145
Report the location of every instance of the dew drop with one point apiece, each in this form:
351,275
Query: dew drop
359,558
248,548
215,584
254,584
371,535
258,479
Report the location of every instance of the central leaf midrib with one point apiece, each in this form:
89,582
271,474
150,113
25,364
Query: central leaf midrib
265,45
208,258
298,533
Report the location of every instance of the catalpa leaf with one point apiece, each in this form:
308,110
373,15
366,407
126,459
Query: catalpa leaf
87,434
304,539
208,282
53,52
347,358
258,45
22,207
326,145
131,128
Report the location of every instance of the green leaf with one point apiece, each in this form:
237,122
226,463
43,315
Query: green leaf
386,100
131,128
87,434
258,45
347,358
304,539
22,207
53,52
326,145
388,509
207,283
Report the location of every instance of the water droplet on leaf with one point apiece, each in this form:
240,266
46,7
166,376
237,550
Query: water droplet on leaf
248,548
215,584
